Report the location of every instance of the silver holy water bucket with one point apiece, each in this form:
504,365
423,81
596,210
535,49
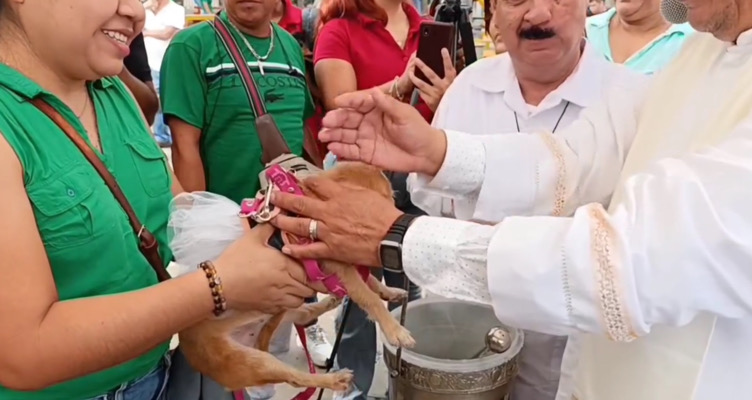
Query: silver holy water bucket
448,334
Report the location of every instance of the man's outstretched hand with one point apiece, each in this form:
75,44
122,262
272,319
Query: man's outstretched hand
371,127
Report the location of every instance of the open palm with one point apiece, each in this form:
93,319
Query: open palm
378,130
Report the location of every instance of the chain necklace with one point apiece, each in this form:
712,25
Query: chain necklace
566,106
85,107
260,59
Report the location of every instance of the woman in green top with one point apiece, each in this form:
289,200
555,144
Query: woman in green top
82,314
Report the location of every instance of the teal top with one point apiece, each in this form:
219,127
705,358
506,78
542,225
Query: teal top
652,58
91,247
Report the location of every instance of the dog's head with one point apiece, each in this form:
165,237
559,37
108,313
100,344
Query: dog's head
356,173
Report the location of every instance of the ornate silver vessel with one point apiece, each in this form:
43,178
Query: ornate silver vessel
449,334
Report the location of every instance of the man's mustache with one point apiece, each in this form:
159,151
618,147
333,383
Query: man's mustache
537,33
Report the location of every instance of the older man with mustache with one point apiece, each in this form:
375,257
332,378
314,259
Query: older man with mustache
547,76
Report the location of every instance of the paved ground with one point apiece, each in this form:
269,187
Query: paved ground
296,356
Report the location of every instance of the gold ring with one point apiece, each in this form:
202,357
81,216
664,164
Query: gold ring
313,230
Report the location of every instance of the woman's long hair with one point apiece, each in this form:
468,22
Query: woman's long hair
332,9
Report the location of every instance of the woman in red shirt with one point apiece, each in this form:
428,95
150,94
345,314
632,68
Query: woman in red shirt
369,43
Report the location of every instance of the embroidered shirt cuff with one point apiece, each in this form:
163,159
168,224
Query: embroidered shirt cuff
463,169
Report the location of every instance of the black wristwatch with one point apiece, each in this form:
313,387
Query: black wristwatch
390,249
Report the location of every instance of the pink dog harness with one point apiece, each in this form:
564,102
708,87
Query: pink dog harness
259,211
258,207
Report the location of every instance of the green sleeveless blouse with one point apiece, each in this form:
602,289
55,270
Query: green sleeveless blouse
91,248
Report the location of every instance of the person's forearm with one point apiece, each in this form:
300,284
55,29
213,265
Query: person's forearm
189,168
93,334
145,96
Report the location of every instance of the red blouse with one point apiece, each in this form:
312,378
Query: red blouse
366,44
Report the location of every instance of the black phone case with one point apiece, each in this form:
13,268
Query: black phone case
435,36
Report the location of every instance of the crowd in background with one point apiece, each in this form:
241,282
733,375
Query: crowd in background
189,92
305,69
208,119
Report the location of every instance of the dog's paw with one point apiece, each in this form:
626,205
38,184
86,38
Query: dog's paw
340,380
399,336
393,295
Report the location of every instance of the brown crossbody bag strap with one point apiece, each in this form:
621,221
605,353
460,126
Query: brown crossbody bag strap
147,242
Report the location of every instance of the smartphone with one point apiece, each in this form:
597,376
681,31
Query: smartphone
435,36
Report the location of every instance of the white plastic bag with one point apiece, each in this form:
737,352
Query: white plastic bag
201,226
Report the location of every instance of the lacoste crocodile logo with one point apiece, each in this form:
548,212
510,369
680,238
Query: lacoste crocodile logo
272,97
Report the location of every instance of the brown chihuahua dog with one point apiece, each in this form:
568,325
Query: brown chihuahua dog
233,349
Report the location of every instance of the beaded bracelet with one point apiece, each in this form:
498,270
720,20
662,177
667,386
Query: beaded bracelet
215,284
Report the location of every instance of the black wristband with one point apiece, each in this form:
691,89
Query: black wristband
390,250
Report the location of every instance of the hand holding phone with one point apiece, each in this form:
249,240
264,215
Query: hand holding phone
435,36
432,89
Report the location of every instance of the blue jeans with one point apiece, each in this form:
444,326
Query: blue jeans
149,387
357,350
161,130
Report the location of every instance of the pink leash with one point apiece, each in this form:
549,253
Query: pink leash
258,210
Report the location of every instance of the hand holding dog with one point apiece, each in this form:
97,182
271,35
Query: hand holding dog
260,278
352,221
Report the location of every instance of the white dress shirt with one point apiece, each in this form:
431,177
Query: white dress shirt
486,97
678,239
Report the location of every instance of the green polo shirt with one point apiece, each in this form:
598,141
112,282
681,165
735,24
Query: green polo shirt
91,248
201,87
